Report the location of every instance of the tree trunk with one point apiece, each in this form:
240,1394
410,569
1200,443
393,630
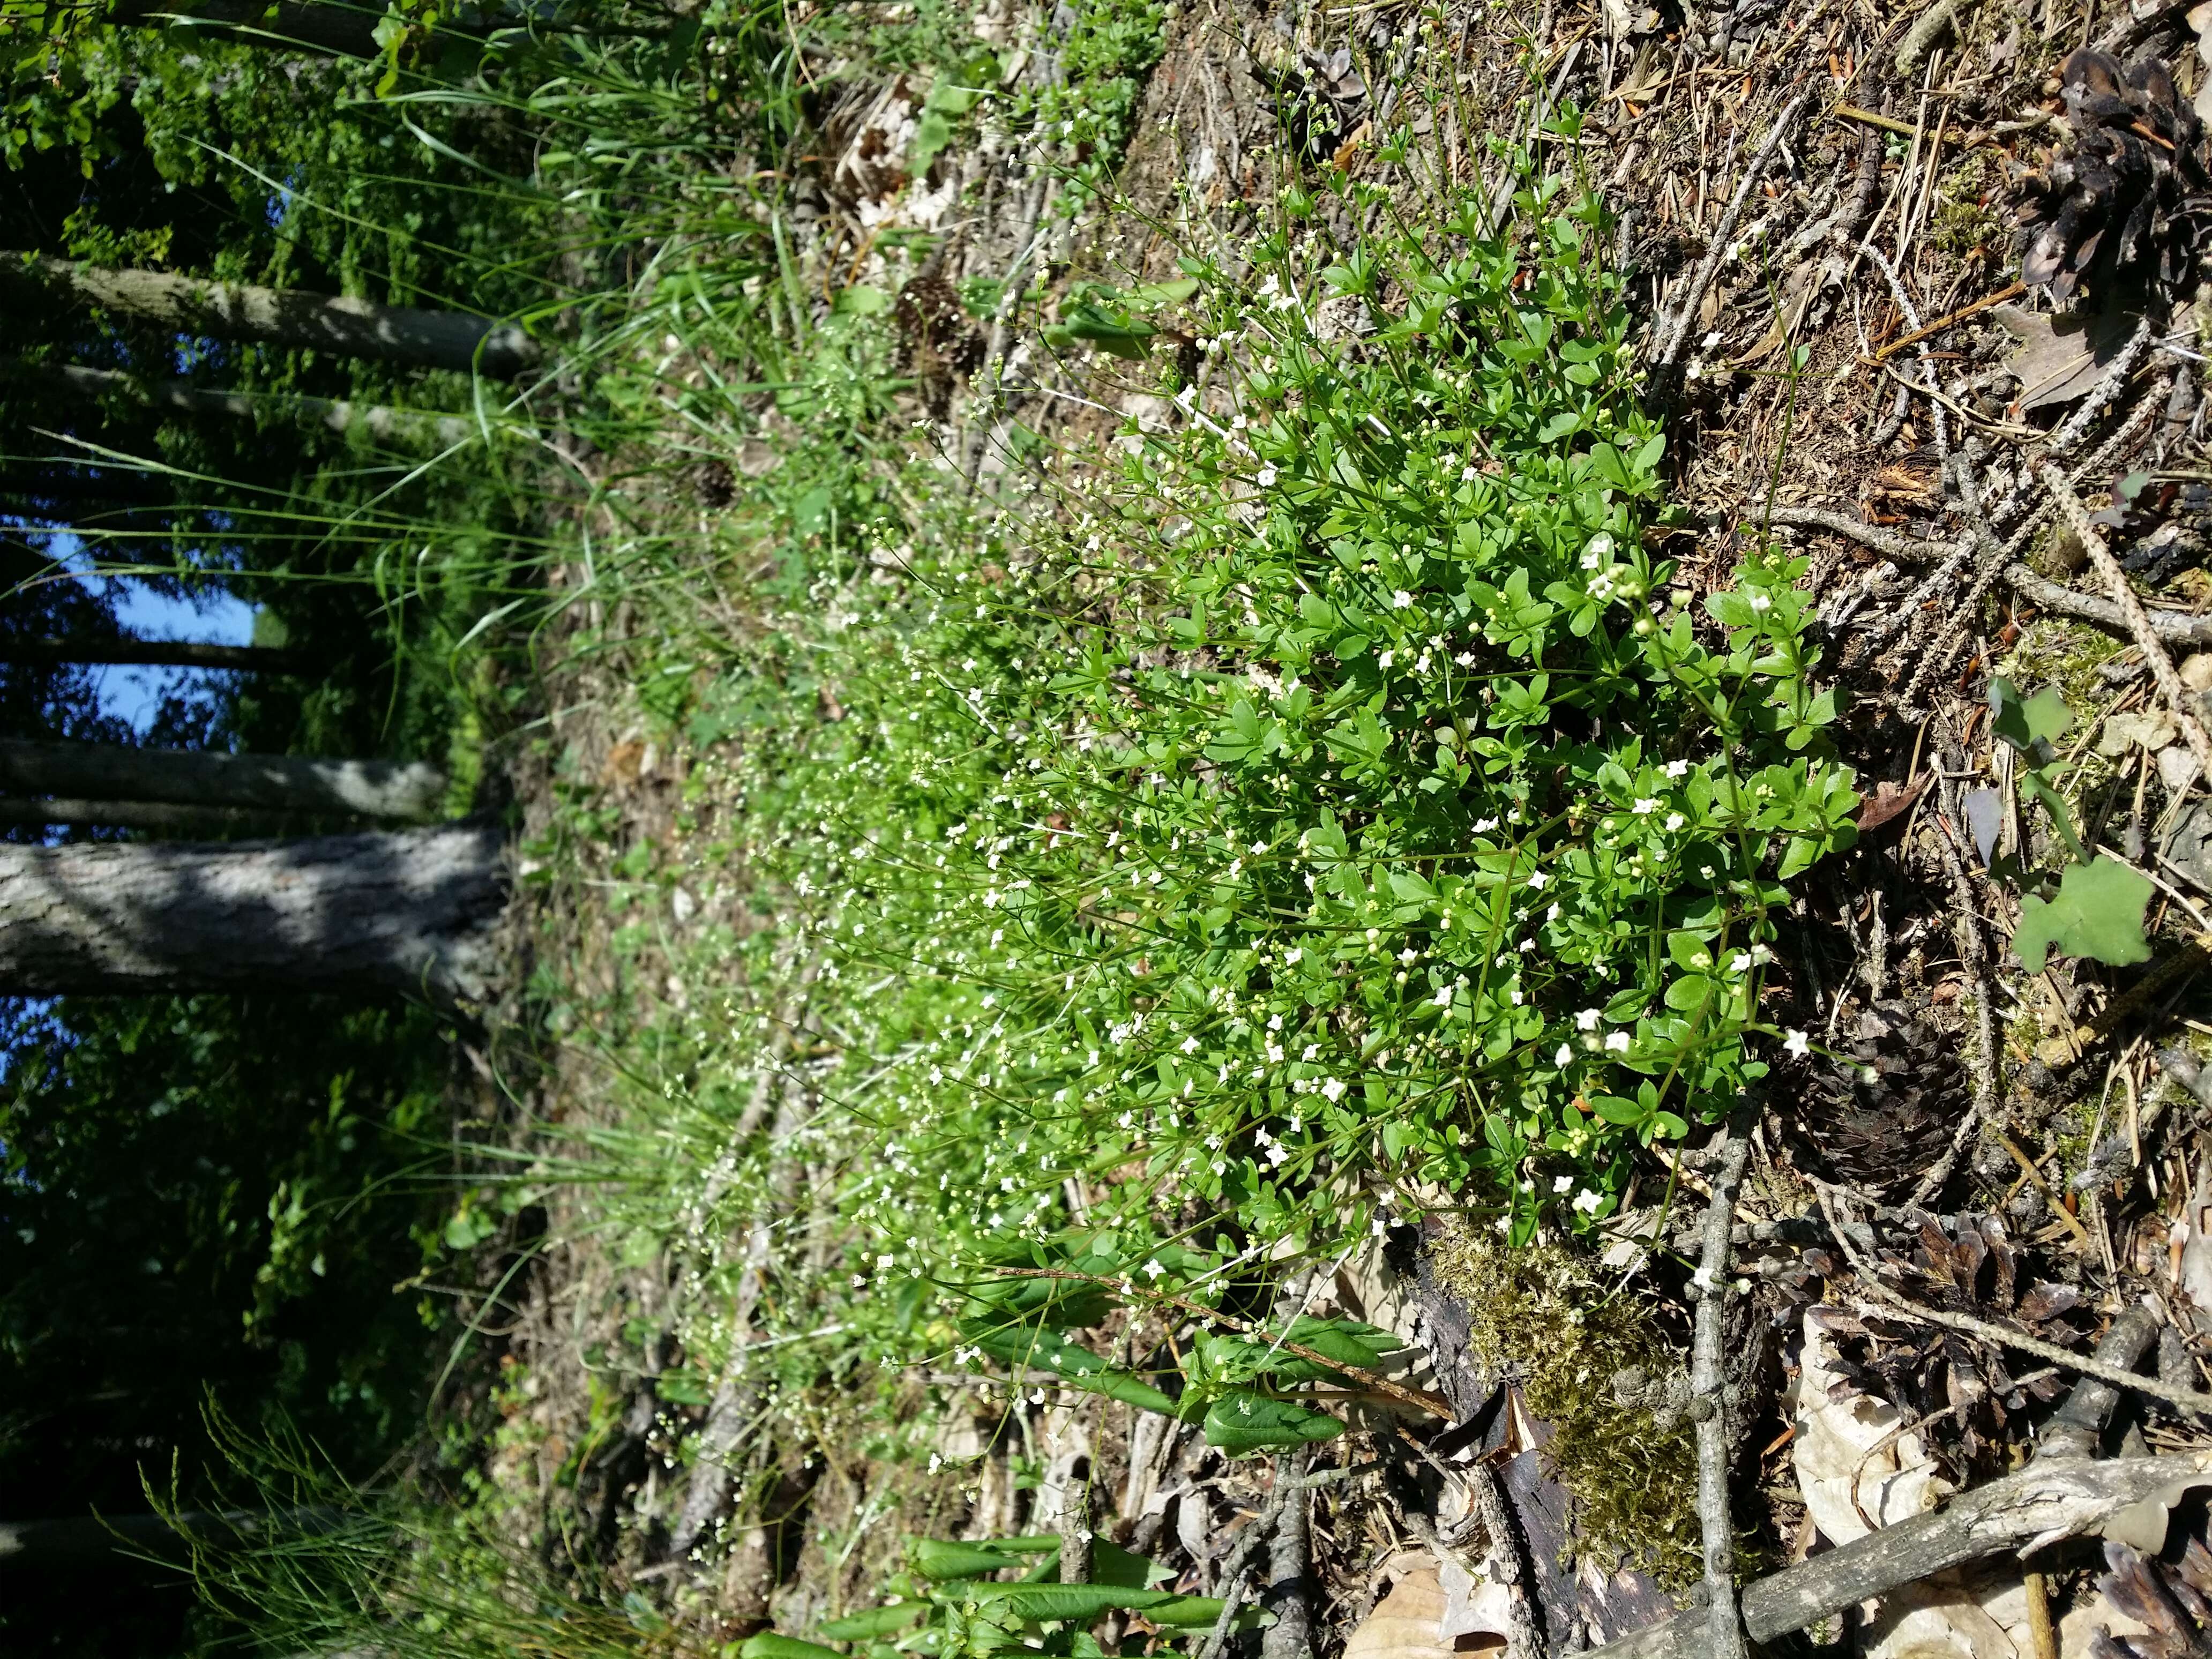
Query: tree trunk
159,653
161,817
96,1541
285,317
408,911
195,777
381,421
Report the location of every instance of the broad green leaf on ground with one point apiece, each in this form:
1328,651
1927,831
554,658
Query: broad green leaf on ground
768,1645
2024,722
1026,1348
2099,913
875,1622
935,1558
1240,1424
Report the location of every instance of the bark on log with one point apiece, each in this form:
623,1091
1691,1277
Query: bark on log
160,654
197,777
161,818
2041,1504
407,911
284,317
378,421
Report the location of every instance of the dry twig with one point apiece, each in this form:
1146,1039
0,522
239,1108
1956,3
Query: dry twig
2178,696
2042,1504
1708,1381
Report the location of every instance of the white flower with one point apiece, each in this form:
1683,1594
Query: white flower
1740,963
1565,1057
1617,1042
1469,473
1267,476
1761,954
1797,1043
1562,1183
1676,769
1644,807
1760,602
1675,821
1484,826
1551,915
1536,880
1591,561
1443,997
1333,1089
1385,660
1292,956
1153,1269
1702,1278
1190,1045
1588,1201
1587,1020
1401,600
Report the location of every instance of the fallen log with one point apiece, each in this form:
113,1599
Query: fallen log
2022,1512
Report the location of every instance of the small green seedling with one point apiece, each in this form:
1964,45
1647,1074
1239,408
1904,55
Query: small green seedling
2097,908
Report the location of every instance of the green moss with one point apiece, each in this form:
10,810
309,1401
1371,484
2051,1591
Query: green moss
1964,219
1552,1322
2067,655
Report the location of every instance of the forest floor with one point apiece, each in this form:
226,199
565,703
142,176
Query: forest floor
1815,208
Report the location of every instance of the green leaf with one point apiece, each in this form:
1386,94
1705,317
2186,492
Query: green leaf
1240,1424
768,1645
2099,913
933,1557
875,1622
2026,722
1023,1347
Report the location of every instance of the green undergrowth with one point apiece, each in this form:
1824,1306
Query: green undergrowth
1311,806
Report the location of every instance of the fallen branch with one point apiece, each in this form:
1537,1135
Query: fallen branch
1678,330
1972,951
2188,1400
2172,627
1708,1381
2178,696
2021,1513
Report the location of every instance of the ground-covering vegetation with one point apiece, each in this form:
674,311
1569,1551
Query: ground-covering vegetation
1127,788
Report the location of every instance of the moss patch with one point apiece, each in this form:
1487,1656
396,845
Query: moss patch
1547,1319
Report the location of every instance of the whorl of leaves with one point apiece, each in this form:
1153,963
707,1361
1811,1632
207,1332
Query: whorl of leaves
2123,207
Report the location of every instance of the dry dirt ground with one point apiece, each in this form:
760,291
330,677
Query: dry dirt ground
1818,204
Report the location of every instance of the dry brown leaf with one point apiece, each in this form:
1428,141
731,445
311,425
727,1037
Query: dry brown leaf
1887,801
1408,1624
2060,357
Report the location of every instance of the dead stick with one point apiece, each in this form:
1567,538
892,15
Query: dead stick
2077,1427
2042,1504
1949,318
2162,670
1708,1381
2189,1400
1679,329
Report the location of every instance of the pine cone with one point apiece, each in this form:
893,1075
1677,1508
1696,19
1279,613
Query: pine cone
1956,1385
1886,1115
2126,204
2173,1598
